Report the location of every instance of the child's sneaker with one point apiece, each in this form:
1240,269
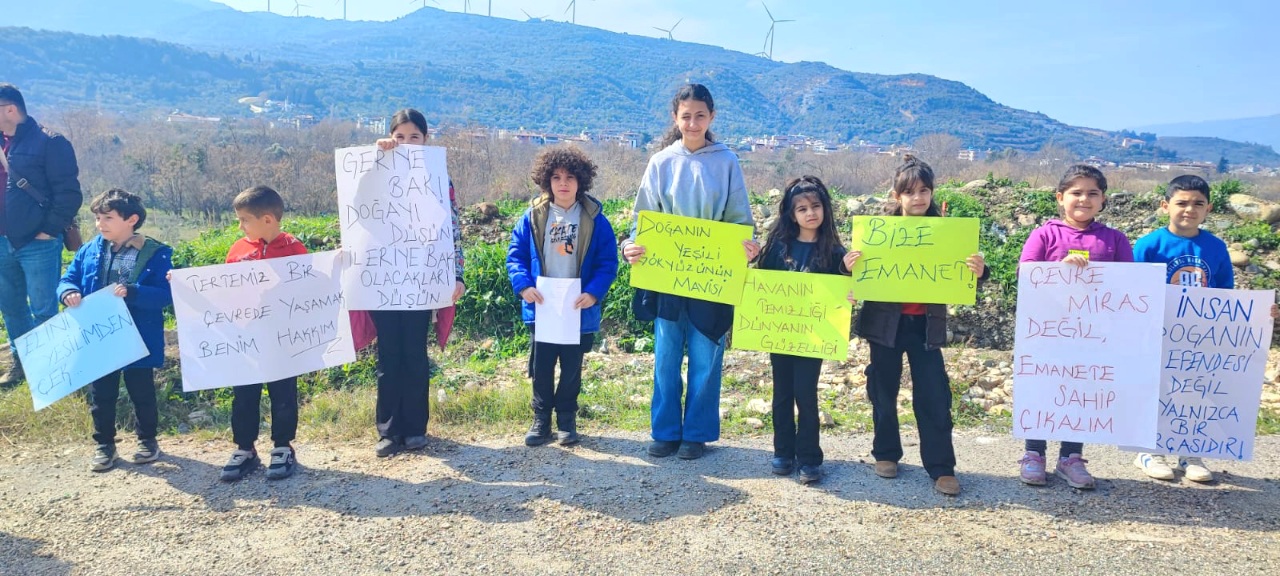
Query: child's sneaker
1073,471
1154,466
1032,469
241,463
1196,470
282,463
148,451
104,458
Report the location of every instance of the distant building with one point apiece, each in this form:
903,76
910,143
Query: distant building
184,118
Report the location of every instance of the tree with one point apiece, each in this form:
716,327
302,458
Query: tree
1223,165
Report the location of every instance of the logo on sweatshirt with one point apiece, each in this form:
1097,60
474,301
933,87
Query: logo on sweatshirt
1189,270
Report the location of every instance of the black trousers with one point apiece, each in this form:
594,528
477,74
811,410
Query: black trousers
105,391
930,396
1065,449
542,370
246,412
403,372
795,388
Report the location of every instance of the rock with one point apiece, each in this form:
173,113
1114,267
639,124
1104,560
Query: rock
1252,243
1253,208
641,344
486,211
1238,259
768,223
199,417
754,423
1025,220
1272,265
872,201
642,400
759,406
825,419
854,206
723,412
974,184
775,195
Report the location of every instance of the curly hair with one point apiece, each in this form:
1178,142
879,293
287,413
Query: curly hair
569,157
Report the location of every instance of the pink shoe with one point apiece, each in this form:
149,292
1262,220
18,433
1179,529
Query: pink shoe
1032,469
1073,471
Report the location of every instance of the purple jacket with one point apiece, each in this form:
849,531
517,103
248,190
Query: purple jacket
1055,239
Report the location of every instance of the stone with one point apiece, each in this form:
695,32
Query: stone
759,406
825,419
854,206
1238,258
754,422
1254,208
974,184
486,211
1272,265
642,400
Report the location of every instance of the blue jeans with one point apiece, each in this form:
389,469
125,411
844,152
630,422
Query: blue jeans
699,420
28,279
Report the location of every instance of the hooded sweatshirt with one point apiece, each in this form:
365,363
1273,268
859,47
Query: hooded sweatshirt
1056,239
706,183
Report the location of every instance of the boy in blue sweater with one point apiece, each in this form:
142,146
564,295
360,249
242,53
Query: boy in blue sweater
133,267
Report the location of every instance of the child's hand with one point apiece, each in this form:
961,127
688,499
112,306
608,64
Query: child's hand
120,291
584,301
458,289
851,258
1076,260
168,276
1275,312
752,249
976,264
387,143
852,301
532,295
632,253
71,299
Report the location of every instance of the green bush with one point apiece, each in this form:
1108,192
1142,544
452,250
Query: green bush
960,204
1042,203
1260,231
1220,192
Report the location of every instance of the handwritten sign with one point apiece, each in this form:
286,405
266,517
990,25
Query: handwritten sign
1211,371
692,257
1086,359
397,227
79,346
260,320
917,259
794,313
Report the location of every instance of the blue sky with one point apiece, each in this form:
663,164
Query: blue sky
1105,64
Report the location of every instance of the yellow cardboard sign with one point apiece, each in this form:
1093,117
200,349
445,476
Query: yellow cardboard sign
691,257
915,259
796,313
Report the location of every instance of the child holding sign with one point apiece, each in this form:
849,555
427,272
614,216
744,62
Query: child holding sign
803,239
259,210
563,234
133,267
695,176
1193,257
1077,238
919,331
404,372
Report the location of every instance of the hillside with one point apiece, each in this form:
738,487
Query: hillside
1208,149
470,69
1264,130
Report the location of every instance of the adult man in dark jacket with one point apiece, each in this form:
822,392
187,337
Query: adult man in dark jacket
40,199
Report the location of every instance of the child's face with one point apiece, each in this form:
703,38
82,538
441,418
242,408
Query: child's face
257,227
806,210
564,187
408,133
916,200
114,228
1081,202
1187,210
693,118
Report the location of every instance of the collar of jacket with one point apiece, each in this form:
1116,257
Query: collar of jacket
137,241
540,208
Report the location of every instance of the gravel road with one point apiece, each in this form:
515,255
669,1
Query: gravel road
493,506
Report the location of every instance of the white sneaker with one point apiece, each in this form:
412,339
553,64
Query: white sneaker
1154,466
1196,470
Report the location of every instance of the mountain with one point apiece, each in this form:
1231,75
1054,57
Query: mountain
1263,130
1206,149
201,57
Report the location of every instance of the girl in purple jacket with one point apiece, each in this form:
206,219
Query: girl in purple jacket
1076,238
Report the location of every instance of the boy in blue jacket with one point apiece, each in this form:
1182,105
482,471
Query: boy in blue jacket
563,234
133,267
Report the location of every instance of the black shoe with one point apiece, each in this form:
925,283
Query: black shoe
15,376
663,448
691,450
540,432
783,466
810,473
242,462
282,463
104,458
148,451
568,433
387,447
415,442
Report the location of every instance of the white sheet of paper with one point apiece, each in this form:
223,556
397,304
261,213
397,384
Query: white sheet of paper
556,321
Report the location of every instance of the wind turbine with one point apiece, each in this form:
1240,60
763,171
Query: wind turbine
573,5
669,30
297,8
466,6
531,17
491,8
424,2
268,5
344,8
768,38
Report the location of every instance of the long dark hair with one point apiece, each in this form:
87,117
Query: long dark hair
1078,171
688,92
911,171
785,229
411,116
